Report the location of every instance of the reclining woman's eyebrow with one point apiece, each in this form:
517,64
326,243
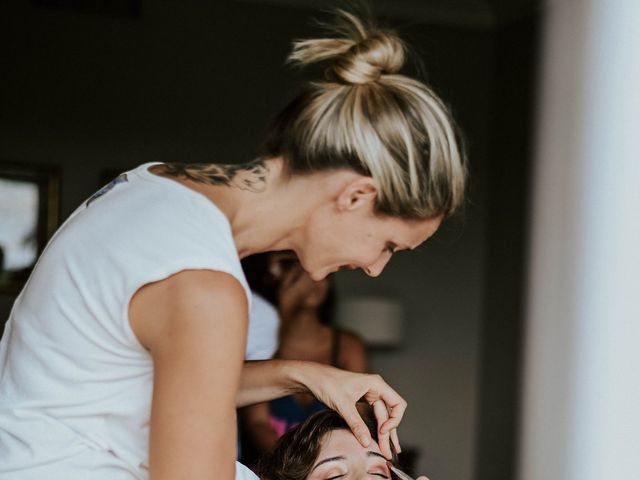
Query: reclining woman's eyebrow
327,460
342,457
376,454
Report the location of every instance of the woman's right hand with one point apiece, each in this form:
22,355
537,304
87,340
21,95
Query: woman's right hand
338,389
341,390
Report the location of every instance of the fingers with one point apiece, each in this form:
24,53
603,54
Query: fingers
396,412
396,405
395,440
382,415
422,477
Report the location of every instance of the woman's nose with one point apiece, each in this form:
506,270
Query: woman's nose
375,269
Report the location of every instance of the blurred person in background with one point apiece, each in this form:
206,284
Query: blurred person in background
307,332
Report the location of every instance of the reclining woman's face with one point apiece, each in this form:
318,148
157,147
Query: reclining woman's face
323,448
343,457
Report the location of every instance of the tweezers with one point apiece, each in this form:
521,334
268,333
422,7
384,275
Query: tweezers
399,473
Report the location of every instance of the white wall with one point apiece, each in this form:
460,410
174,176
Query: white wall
582,393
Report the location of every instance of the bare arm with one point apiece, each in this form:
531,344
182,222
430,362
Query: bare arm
265,380
194,325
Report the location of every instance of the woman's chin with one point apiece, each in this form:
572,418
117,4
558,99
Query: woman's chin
321,274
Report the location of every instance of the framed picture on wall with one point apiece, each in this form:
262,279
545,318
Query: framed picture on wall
29,214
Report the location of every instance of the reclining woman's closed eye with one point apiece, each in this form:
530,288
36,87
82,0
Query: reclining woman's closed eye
342,457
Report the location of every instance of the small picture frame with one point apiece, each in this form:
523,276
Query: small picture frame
29,215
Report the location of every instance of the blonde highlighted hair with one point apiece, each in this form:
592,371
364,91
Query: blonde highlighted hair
367,117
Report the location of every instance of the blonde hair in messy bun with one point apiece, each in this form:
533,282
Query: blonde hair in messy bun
367,117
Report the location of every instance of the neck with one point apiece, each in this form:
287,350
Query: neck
257,198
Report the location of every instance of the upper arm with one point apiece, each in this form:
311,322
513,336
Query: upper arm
353,354
194,325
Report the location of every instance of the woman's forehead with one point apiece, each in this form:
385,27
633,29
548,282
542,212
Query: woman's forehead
342,441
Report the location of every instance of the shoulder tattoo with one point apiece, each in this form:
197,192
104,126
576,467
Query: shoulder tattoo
250,176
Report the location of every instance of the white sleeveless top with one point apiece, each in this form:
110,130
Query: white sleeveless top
75,383
262,334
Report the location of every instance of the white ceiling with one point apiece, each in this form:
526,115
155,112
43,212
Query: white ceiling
472,13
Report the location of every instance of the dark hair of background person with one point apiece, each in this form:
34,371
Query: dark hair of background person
259,278
298,449
262,281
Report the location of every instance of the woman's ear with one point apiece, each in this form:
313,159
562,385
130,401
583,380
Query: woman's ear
361,192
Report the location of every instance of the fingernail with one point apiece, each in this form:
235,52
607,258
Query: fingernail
365,440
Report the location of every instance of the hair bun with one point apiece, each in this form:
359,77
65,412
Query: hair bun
365,61
359,54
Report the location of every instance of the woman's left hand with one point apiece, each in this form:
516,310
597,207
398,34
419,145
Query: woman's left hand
341,390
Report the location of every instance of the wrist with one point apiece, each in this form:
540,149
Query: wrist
298,375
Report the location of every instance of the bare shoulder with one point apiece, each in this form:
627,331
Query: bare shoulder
185,299
353,353
351,339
